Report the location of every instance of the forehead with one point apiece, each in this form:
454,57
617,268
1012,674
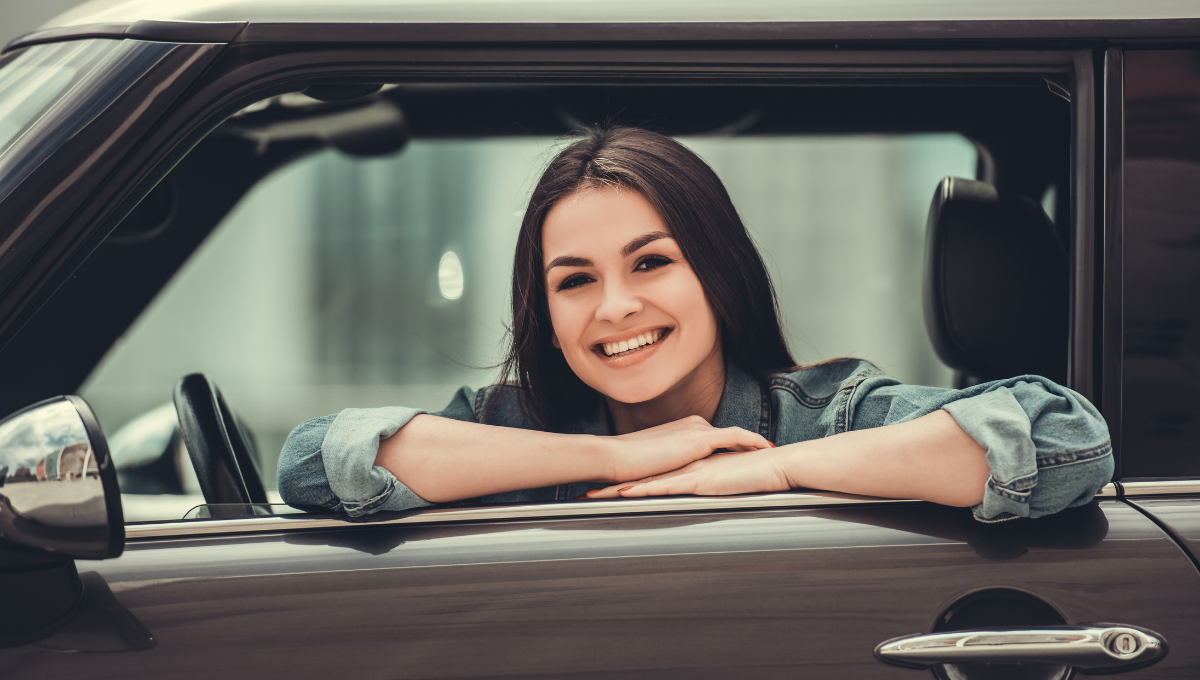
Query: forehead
598,219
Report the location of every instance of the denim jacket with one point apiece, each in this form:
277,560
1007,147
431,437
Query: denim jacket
1048,447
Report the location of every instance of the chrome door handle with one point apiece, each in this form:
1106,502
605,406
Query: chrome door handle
1097,647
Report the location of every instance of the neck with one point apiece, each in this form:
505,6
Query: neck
696,395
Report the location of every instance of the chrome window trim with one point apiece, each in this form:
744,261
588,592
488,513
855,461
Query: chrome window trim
627,506
624,506
1167,487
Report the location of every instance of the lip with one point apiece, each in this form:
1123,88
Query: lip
629,334
636,357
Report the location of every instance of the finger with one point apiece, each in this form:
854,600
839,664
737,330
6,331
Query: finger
673,486
607,492
733,437
614,490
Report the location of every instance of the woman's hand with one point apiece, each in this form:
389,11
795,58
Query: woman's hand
930,458
673,446
723,474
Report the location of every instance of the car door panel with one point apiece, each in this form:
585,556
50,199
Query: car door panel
1180,517
753,594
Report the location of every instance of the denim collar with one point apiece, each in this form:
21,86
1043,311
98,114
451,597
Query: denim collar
744,403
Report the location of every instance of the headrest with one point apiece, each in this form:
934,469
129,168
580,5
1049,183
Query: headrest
996,283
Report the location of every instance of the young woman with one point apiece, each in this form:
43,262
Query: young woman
647,359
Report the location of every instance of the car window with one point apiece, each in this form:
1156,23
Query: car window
49,92
342,282
1161,404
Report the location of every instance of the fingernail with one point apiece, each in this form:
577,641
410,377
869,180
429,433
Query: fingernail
580,497
773,445
624,490
593,491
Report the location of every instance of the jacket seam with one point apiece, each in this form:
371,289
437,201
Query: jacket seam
1077,457
1018,494
764,410
1002,517
476,407
843,415
380,499
1015,483
794,388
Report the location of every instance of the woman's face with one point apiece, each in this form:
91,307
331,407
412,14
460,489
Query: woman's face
628,312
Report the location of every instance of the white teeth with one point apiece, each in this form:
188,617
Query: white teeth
611,348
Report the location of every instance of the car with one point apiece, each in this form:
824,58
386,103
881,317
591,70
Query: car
131,129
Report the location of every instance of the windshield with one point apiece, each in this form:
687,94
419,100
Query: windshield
49,92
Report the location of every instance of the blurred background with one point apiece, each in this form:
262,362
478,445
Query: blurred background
18,17
341,282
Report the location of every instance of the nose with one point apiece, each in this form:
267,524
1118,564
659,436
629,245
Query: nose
619,303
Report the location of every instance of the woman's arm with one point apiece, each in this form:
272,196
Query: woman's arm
443,460
1044,448
930,458
395,458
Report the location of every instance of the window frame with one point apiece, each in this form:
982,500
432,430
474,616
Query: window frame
234,83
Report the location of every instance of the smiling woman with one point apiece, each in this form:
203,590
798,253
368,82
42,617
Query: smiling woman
638,273
645,339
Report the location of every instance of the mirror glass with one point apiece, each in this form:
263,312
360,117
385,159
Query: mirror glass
58,492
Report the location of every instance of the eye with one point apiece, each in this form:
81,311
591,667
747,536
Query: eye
573,281
651,262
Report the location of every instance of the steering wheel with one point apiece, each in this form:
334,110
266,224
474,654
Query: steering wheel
221,448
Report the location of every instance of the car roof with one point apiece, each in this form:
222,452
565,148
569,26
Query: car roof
301,22
539,11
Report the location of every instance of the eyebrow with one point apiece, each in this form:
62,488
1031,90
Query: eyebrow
629,249
642,241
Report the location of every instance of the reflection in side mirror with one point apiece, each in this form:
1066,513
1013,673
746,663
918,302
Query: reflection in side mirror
58,488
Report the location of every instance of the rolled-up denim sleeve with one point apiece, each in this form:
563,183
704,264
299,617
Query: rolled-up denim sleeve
1048,448
329,462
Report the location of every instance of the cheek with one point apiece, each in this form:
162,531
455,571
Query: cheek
566,319
683,297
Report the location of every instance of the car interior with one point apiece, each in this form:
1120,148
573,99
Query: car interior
996,264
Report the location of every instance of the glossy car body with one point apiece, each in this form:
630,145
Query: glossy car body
781,585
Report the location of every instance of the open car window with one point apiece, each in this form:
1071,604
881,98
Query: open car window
342,281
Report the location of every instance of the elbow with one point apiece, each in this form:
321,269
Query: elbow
970,487
968,496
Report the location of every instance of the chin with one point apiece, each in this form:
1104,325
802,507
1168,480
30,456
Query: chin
634,390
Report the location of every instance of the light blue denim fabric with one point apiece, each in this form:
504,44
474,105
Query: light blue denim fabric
1048,448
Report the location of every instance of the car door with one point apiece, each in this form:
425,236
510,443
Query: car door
788,585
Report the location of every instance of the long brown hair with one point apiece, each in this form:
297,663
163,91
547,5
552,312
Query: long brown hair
696,208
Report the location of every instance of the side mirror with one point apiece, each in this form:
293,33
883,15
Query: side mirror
58,488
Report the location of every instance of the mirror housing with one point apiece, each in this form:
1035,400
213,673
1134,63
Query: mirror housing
58,487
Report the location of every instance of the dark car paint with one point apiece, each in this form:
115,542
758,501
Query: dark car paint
1179,517
47,224
732,594
774,594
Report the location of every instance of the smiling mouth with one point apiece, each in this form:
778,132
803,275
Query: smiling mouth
634,344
